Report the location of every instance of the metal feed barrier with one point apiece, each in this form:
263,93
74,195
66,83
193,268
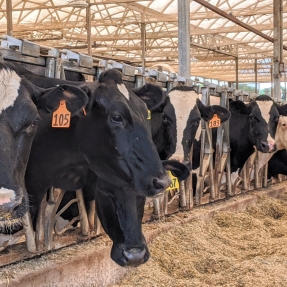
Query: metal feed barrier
214,164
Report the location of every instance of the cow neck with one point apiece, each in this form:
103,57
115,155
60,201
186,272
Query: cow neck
183,102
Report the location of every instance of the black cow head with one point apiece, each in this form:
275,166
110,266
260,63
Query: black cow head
19,101
121,213
261,116
163,120
120,130
189,110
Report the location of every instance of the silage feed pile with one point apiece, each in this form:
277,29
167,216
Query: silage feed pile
233,249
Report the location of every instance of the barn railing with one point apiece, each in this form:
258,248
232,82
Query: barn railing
47,236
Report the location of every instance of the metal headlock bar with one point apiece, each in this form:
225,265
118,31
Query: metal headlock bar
214,164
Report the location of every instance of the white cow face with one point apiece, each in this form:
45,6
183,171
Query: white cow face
281,133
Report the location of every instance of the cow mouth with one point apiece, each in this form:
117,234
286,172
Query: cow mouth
10,224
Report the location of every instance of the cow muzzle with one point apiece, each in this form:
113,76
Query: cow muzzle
269,146
135,256
159,184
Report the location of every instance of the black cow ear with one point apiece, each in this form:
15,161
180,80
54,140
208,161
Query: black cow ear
239,107
177,168
49,99
282,110
221,112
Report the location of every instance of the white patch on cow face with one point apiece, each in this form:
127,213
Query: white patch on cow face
122,88
265,107
281,133
183,102
9,85
6,195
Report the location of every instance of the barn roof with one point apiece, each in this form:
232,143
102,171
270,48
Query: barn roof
116,32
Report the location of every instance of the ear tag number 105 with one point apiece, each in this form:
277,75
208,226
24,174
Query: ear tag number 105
61,117
174,181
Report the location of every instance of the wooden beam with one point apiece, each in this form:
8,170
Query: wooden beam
236,21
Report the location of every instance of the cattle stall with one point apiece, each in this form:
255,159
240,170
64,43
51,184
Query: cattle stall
214,163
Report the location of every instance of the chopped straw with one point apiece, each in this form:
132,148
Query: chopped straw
233,249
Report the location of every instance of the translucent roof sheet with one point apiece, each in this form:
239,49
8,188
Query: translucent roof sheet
116,32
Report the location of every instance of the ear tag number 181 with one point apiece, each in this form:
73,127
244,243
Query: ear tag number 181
61,117
174,181
214,122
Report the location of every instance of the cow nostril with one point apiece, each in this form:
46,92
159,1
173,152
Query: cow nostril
135,256
264,144
161,183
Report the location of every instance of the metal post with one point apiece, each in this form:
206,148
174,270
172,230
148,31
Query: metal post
278,46
272,82
184,38
89,30
9,17
236,71
143,42
255,72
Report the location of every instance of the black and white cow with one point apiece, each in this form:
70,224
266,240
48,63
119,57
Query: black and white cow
252,126
19,105
120,210
112,142
162,120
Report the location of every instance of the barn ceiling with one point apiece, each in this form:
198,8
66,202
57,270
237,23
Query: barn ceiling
116,32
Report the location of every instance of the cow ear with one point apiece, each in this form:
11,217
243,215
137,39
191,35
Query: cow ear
239,107
177,168
49,99
282,110
207,112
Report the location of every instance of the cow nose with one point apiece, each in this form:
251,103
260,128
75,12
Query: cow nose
134,256
264,146
160,184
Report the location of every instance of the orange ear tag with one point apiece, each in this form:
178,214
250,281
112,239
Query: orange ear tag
61,117
174,181
214,122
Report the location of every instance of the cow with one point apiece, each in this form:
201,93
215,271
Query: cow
20,105
112,142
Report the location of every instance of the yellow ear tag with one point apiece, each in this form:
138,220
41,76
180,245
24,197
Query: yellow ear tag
61,117
148,114
214,122
174,181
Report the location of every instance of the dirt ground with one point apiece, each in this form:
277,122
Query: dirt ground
233,249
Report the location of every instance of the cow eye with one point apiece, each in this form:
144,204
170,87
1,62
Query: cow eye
34,123
276,119
251,117
116,119
164,118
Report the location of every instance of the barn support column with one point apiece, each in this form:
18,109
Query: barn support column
278,46
9,17
184,38
89,28
236,72
255,73
143,42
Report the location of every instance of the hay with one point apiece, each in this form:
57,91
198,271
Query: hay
234,249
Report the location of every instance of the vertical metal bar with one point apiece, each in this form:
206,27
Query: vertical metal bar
82,212
9,17
272,82
236,71
277,46
255,73
184,38
143,41
89,28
